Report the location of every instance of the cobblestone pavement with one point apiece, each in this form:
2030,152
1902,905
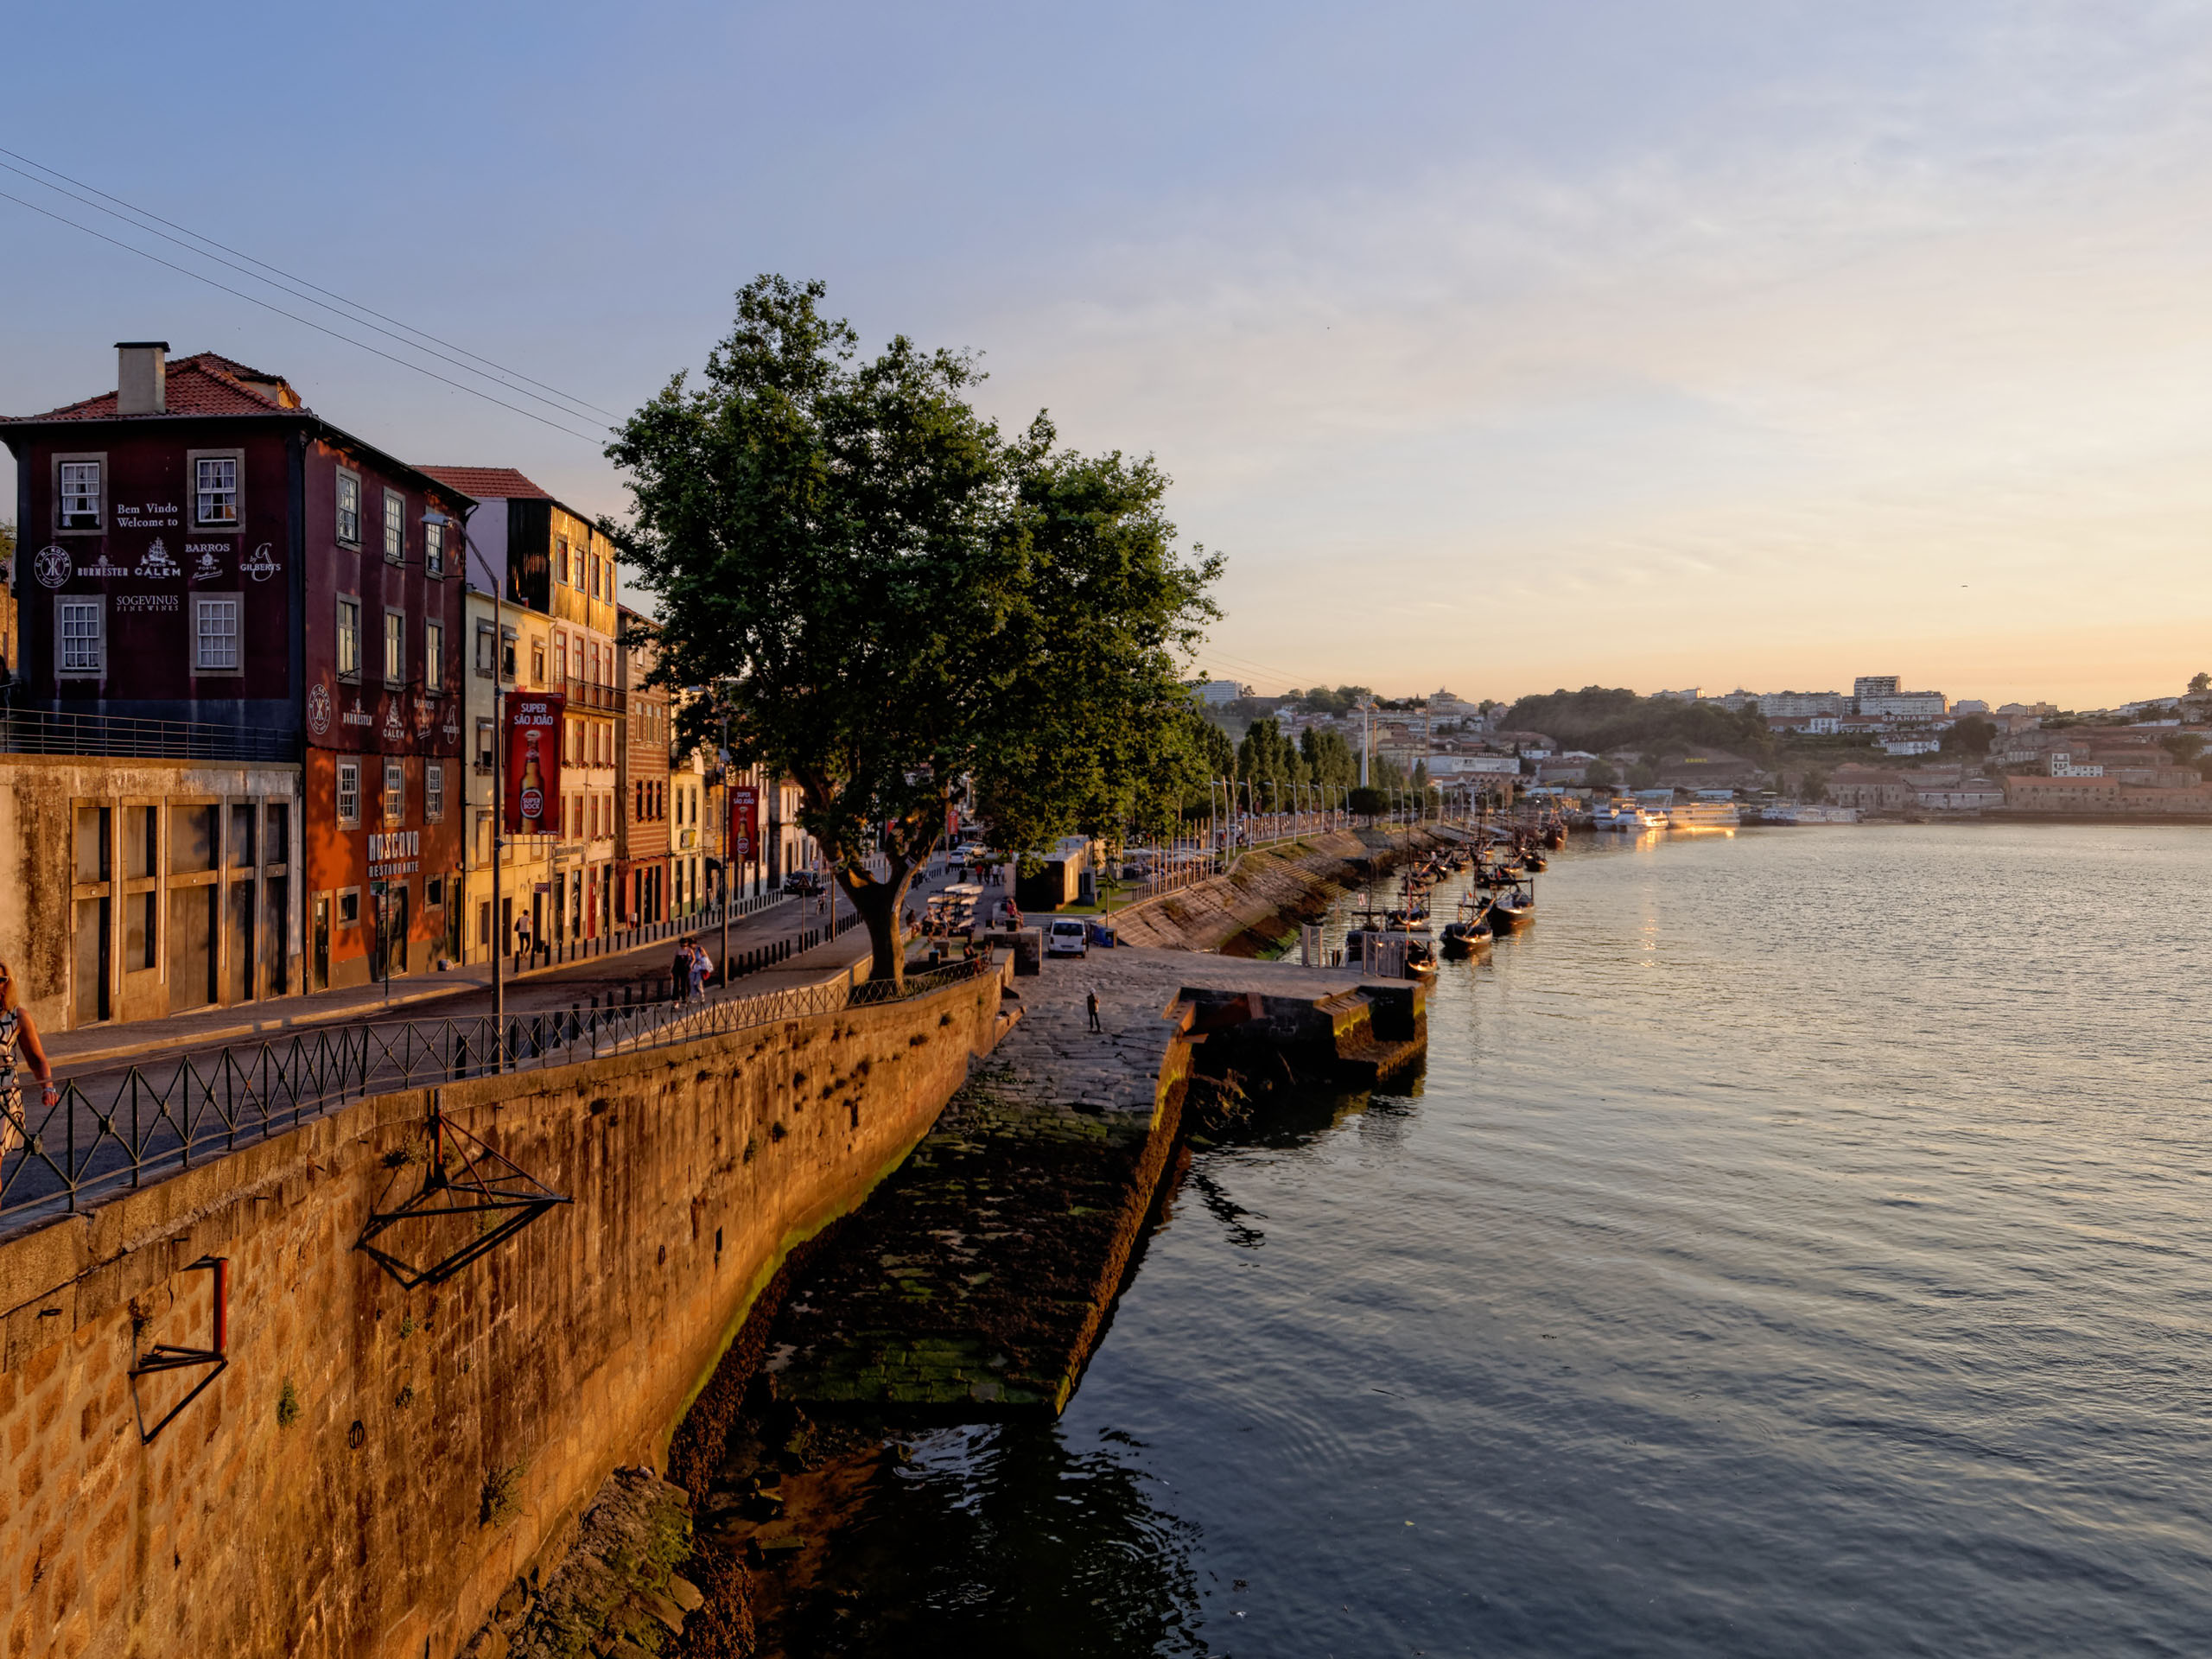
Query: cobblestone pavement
1052,1058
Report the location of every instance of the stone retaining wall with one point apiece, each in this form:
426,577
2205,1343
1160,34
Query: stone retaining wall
1256,908
376,1466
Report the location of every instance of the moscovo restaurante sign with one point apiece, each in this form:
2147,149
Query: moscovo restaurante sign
403,848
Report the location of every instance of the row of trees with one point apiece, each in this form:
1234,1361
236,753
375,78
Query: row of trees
893,602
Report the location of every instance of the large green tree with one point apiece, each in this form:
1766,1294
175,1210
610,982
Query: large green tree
890,600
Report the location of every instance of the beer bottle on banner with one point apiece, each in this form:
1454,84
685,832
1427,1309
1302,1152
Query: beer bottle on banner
533,788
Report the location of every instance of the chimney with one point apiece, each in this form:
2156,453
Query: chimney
141,376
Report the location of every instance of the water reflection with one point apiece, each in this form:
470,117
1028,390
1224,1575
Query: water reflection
1005,1540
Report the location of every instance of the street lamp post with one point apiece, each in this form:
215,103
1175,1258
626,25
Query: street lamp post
499,801
726,847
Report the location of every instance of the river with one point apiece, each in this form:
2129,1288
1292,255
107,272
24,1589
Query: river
1797,1244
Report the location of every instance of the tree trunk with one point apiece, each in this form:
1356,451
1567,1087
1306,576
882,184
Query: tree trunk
879,905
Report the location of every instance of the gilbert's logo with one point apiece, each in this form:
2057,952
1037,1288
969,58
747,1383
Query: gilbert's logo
157,565
261,566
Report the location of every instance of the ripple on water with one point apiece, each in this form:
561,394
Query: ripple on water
1796,1244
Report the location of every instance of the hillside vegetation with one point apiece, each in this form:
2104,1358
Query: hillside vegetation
1601,718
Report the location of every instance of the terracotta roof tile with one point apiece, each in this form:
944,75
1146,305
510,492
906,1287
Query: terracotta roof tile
202,385
484,483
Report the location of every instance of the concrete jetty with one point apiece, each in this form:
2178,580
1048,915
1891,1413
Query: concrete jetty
975,1282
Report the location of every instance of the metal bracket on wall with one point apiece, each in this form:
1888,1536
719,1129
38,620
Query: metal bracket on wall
164,1356
465,1178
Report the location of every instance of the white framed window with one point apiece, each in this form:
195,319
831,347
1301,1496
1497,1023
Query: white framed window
80,636
434,656
395,647
349,637
395,527
215,504
215,633
433,790
349,792
349,507
434,550
395,791
78,501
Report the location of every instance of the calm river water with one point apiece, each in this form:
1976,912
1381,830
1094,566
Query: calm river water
1797,1245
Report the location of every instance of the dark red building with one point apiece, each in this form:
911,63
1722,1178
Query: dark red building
197,545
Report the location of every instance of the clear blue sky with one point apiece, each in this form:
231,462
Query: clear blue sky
1498,345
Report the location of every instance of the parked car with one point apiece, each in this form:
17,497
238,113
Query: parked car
1066,937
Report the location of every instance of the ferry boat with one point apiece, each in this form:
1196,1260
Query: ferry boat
1791,814
1619,813
1703,814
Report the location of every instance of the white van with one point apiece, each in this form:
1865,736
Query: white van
1065,937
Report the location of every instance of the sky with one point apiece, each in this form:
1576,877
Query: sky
1497,347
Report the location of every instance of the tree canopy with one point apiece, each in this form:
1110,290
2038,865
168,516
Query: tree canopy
890,600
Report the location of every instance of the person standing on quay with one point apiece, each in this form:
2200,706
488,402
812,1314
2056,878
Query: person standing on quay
1090,999
17,1027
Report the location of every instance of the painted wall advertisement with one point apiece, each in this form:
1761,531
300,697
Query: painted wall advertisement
533,794
744,823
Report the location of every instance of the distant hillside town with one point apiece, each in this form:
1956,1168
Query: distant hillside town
1880,749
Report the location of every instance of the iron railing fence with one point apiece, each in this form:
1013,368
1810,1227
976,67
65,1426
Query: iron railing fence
120,1128
46,731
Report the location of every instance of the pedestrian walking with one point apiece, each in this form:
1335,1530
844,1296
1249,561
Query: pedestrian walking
1090,999
680,972
18,1030
700,967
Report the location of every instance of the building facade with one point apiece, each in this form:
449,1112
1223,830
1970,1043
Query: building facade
207,549
555,566
136,888
642,785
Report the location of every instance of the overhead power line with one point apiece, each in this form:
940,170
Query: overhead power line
581,404
307,322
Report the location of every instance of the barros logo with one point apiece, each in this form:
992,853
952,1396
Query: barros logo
261,566
207,567
54,566
319,709
157,565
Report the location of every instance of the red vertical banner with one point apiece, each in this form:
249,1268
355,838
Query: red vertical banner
744,823
533,791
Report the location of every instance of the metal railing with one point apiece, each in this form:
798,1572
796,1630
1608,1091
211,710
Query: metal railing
554,953
121,1127
44,731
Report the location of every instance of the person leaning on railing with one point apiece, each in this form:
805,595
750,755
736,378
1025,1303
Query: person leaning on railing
16,1028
